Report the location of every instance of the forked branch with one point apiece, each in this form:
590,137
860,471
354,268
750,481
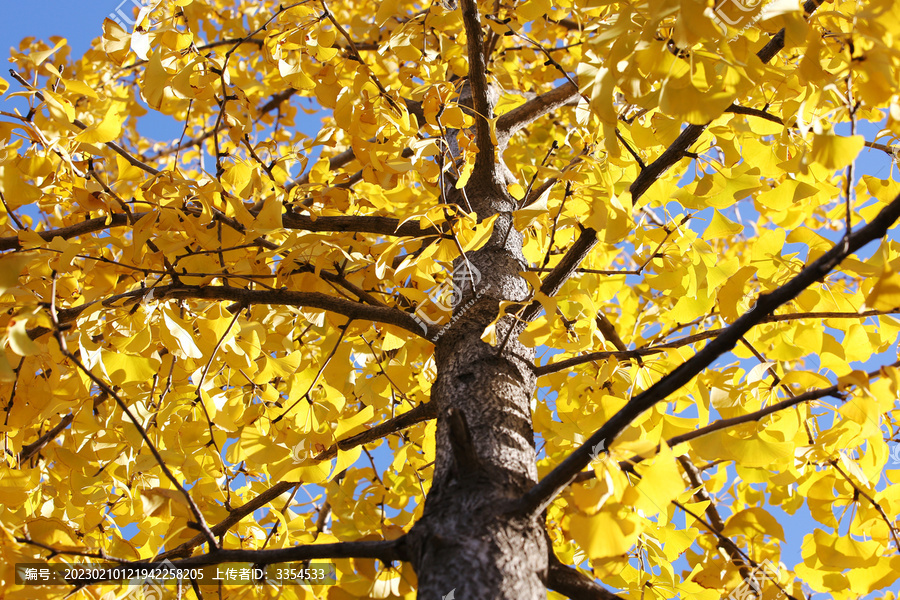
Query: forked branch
658,348
647,177
574,584
233,518
537,499
422,412
481,103
835,391
509,123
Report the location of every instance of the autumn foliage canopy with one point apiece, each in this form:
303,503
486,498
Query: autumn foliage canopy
663,229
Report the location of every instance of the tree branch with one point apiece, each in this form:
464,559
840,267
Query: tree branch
258,42
536,499
422,412
648,175
200,523
573,583
573,361
358,224
348,308
90,226
386,551
111,145
775,45
345,224
335,162
234,516
562,365
715,519
481,103
339,160
282,297
628,464
509,123
274,102
875,505
729,543
762,114
33,448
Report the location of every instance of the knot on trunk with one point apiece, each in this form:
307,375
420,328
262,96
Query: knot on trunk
464,455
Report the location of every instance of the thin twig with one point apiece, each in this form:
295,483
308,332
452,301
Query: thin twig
112,145
875,505
535,500
200,521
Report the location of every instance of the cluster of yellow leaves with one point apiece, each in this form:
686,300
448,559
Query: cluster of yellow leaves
238,398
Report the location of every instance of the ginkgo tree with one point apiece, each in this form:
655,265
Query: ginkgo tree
580,296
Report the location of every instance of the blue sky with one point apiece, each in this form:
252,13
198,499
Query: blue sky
79,22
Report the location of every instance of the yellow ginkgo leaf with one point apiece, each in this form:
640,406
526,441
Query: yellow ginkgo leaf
38,58
11,266
288,470
516,190
116,42
596,82
121,367
680,96
6,371
345,458
236,177
753,522
59,106
660,483
721,227
392,341
351,425
841,552
140,43
19,340
533,9
611,217
154,81
835,151
15,484
53,532
178,337
885,294
606,533
531,213
107,129
269,217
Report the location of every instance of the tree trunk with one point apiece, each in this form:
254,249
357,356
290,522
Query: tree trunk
468,544
485,456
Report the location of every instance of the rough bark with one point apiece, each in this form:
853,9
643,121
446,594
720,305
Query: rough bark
485,455
485,459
